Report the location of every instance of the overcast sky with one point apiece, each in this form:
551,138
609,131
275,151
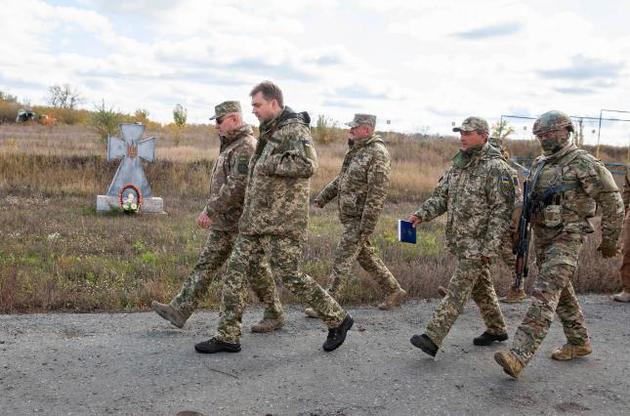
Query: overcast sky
420,64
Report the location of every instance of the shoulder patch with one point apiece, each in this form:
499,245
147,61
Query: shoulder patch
507,183
309,150
242,164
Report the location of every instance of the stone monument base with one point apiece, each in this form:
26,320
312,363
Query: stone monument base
152,205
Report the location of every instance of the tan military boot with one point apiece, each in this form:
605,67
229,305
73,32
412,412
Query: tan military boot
623,296
569,351
268,325
511,365
169,313
394,299
311,313
514,296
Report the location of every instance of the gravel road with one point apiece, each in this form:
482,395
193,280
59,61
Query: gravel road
137,364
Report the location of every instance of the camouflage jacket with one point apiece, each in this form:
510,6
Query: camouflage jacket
229,179
581,182
626,188
361,186
478,197
276,199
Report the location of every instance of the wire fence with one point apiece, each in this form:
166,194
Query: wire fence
588,130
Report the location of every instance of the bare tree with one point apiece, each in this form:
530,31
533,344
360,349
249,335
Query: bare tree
64,96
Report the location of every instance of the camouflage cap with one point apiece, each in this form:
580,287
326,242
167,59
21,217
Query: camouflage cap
473,124
226,107
363,119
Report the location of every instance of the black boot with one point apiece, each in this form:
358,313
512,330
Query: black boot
425,344
336,336
215,345
486,339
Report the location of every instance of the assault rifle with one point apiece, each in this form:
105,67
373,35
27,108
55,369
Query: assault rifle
533,202
522,246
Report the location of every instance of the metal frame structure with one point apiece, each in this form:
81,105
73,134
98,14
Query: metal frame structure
599,128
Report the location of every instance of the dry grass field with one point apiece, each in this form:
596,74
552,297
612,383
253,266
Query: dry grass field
57,253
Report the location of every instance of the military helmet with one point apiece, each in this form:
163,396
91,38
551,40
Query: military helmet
552,120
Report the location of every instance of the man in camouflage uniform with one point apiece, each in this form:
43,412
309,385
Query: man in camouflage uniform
515,294
477,193
567,184
220,216
506,253
360,189
274,222
624,271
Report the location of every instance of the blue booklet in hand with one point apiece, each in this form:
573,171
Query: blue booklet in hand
406,232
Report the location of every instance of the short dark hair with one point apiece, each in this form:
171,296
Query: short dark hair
270,91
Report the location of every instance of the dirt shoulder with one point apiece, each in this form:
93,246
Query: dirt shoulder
136,364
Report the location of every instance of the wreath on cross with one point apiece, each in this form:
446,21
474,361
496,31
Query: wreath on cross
130,198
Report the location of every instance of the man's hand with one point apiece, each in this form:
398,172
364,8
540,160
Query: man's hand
414,220
203,220
608,249
318,203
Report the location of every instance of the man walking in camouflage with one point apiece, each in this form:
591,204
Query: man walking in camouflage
360,189
624,270
567,184
515,294
220,216
506,254
274,222
477,193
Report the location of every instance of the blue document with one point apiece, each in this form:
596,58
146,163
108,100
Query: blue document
406,232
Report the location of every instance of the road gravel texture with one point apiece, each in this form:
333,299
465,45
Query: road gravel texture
137,364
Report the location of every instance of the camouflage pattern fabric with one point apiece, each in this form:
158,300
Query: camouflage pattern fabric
229,179
362,120
226,107
216,251
624,270
285,253
279,177
361,189
225,204
553,293
274,222
626,188
507,241
473,124
478,193
506,255
471,278
559,230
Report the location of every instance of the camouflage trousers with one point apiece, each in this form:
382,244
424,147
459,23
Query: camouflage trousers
506,255
285,256
216,251
553,293
624,271
351,248
470,279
